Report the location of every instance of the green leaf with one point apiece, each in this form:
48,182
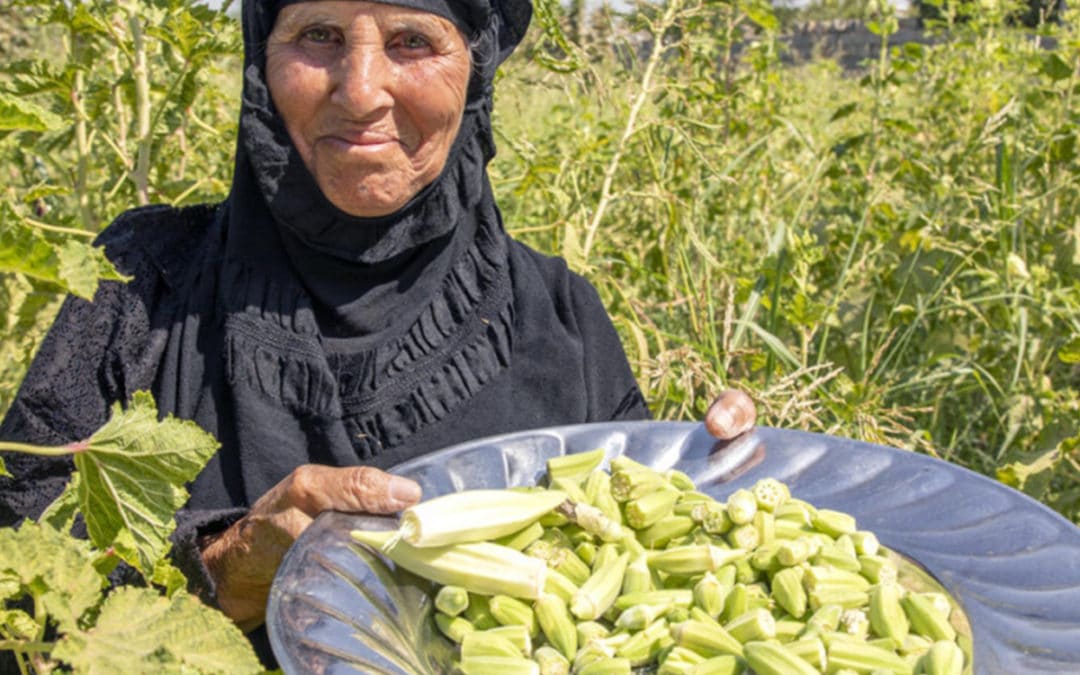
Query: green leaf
1070,353
9,585
60,515
54,567
843,111
18,114
133,472
3,469
23,249
140,631
74,265
1055,67
168,577
82,266
1032,477
18,624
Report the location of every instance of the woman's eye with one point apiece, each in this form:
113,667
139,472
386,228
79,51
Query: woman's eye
318,35
414,41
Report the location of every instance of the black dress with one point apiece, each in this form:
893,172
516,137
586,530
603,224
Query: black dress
296,333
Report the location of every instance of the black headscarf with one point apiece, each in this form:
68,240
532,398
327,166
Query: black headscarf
341,258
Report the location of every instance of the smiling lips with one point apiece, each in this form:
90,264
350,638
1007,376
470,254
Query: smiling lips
363,138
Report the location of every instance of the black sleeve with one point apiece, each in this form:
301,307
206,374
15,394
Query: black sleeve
64,397
613,392
94,355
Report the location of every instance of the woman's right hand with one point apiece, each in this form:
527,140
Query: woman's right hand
243,559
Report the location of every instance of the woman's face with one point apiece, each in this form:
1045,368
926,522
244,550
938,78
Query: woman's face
372,96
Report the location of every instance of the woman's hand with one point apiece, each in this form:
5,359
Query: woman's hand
243,559
730,414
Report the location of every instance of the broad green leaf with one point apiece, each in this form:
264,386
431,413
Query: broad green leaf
18,114
18,624
762,14
82,266
1033,476
53,566
24,250
141,631
844,111
168,577
74,265
1070,352
60,515
133,472
9,585
1054,66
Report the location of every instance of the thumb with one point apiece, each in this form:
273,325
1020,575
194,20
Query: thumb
731,414
369,490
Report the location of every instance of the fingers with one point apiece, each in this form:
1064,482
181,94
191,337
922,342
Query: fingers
731,414
358,489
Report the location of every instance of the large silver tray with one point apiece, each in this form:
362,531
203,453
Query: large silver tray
1012,564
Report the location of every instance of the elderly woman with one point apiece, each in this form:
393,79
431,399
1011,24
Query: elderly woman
355,302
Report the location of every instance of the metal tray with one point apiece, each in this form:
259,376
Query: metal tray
1011,563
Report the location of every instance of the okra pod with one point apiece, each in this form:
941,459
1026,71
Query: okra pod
770,494
741,506
864,658
662,532
943,658
925,619
452,600
550,661
482,643
453,627
771,658
693,559
557,625
707,638
788,591
510,611
757,624
718,665
679,597
577,466
833,523
609,666
887,617
499,665
709,595
600,590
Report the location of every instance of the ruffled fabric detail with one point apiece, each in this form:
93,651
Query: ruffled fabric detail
458,343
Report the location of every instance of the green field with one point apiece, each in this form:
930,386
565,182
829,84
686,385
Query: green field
891,254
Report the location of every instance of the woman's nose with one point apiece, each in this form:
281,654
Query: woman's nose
363,79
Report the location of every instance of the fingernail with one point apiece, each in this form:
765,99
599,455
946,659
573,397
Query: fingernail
404,491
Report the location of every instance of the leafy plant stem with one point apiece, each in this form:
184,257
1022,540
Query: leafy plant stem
18,646
143,127
82,144
58,229
645,92
41,450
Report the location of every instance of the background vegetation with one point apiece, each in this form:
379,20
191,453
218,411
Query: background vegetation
891,254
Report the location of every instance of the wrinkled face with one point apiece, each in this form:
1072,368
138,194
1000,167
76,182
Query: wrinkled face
372,96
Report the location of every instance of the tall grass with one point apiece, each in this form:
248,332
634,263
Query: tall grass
890,254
